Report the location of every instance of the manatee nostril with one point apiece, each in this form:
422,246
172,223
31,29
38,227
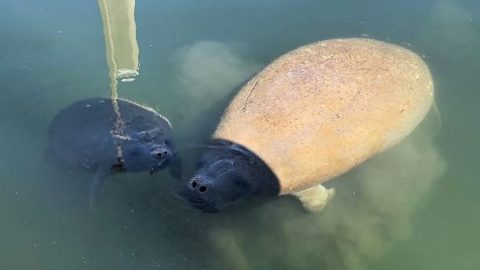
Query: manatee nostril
194,184
163,154
202,189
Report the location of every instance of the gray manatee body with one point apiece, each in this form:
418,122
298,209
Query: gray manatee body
83,135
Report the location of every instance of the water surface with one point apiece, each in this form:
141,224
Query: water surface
414,207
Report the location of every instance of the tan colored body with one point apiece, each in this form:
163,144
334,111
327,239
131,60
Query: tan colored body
318,111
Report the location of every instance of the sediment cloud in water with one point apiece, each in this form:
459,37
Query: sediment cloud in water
450,35
372,210
207,71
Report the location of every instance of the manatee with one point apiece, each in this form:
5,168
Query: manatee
87,135
311,115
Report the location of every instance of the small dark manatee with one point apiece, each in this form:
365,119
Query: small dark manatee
227,173
86,135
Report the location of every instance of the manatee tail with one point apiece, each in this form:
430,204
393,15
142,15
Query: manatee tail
95,187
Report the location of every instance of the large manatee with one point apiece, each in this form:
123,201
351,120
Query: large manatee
311,115
90,134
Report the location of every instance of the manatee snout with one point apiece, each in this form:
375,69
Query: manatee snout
214,185
210,192
197,192
227,173
200,183
162,152
165,154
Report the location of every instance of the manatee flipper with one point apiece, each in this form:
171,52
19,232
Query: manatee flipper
95,186
315,198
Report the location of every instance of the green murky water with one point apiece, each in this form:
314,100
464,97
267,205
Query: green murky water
415,207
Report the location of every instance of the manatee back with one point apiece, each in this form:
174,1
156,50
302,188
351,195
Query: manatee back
317,111
81,134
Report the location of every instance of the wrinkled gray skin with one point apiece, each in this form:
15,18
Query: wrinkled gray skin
228,173
81,136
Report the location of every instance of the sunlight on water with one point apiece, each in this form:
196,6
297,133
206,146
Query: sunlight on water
412,207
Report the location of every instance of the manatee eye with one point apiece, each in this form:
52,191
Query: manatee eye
202,189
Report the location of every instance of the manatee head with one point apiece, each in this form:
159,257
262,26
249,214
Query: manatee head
147,150
228,173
